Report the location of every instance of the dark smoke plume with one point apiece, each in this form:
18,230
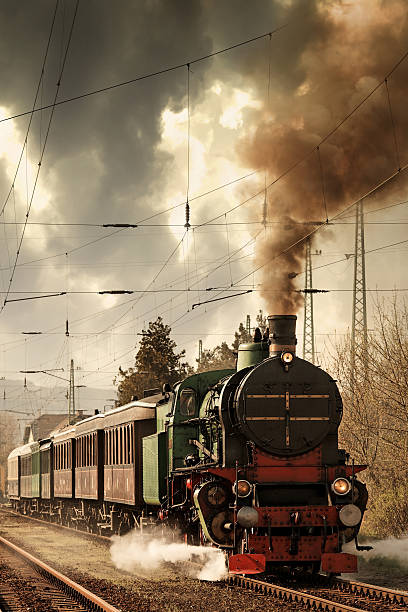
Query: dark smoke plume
348,50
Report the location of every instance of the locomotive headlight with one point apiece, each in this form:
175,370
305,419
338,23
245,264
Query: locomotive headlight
341,486
243,488
287,357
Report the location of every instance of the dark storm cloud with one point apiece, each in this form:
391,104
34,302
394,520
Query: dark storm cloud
111,42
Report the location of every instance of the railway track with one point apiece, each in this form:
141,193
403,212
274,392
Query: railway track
26,583
332,596
335,595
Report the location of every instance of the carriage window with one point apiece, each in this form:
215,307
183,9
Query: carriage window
187,402
127,430
45,461
122,445
120,459
119,434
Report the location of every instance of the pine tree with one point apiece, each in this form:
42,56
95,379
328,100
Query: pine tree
241,337
219,358
156,363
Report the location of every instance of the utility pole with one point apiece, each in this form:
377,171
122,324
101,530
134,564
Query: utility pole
71,394
308,324
359,321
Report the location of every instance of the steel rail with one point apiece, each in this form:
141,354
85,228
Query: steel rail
290,595
93,602
372,591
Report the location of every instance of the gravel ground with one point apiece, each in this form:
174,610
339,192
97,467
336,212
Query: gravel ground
87,561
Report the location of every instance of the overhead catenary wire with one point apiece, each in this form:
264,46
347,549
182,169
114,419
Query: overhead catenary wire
42,154
150,74
314,230
138,224
31,113
351,255
303,238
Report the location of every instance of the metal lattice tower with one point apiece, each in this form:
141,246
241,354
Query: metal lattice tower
248,324
308,326
359,323
200,350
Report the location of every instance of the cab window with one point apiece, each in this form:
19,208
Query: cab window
187,402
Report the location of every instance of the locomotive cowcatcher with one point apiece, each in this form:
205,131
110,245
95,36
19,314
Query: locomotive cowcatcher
246,460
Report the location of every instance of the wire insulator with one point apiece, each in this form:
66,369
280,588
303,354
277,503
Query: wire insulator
187,223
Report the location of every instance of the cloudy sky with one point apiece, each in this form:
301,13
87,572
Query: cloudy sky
124,156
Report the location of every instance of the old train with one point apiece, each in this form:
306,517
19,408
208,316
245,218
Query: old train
246,460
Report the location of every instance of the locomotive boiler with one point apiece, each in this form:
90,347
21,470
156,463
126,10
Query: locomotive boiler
243,459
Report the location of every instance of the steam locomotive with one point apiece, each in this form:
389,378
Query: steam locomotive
246,460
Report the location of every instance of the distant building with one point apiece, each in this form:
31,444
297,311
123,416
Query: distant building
45,424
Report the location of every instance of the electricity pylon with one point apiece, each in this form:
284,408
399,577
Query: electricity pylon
359,321
308,325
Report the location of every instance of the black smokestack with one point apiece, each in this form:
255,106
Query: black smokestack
282,333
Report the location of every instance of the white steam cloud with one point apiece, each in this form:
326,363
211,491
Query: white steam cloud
134,552
392,548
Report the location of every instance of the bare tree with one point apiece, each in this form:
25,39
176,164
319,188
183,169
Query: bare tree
375,423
